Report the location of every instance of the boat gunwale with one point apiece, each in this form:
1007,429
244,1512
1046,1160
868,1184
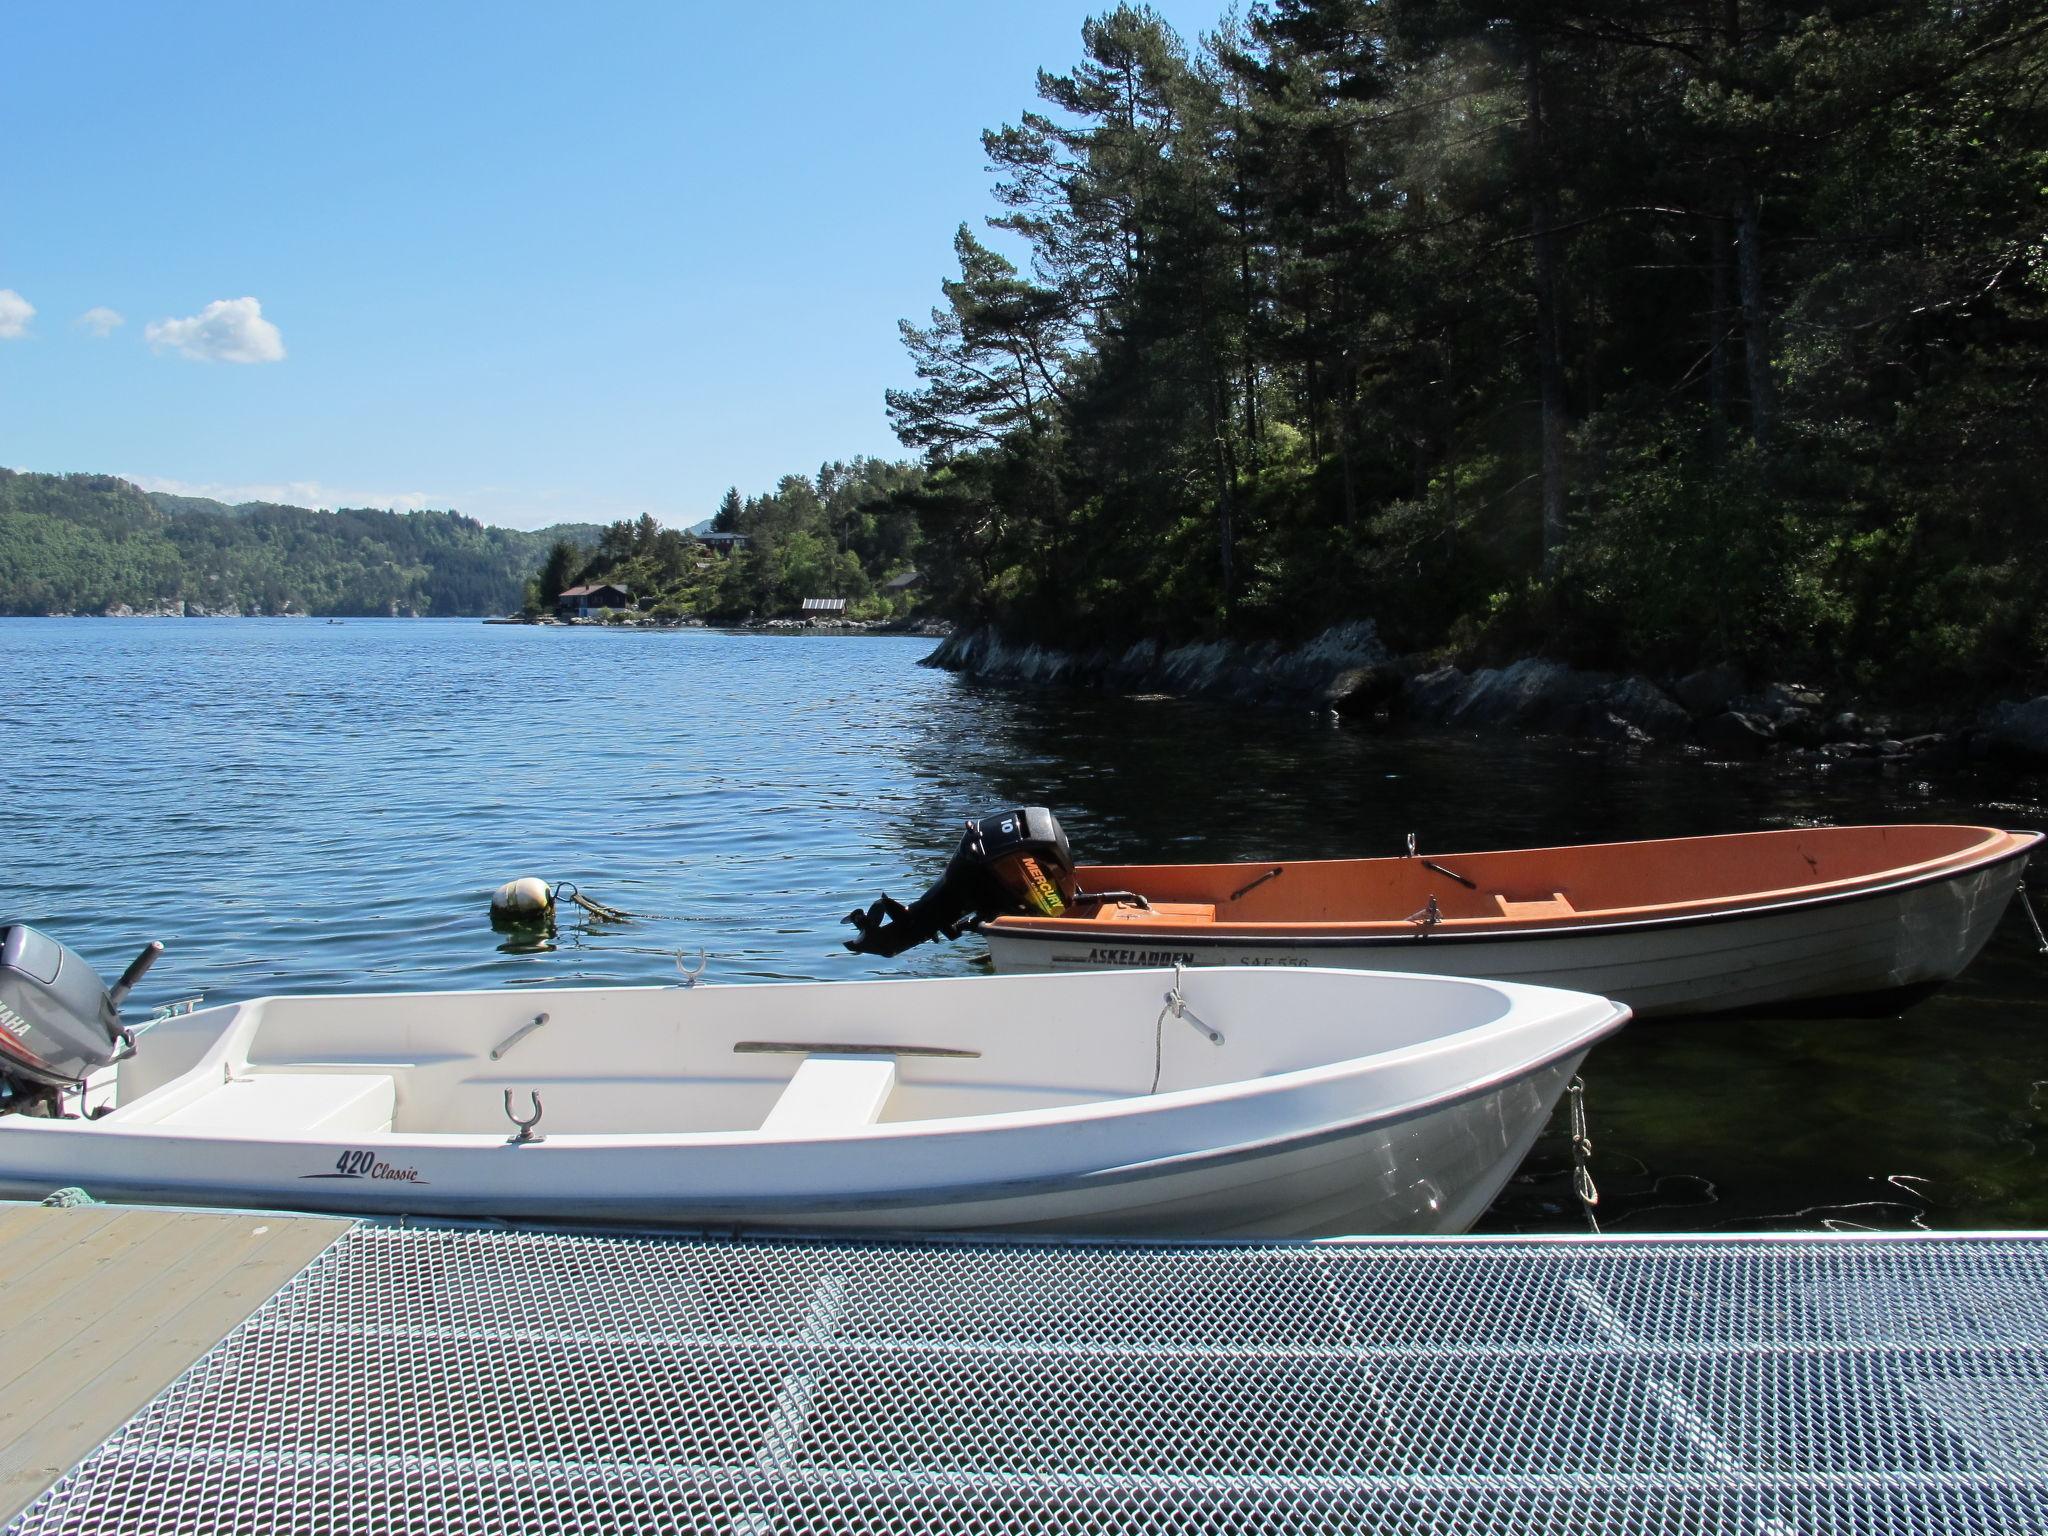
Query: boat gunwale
1310,933
1120,1109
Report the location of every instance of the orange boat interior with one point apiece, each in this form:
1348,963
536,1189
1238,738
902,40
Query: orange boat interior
1526,887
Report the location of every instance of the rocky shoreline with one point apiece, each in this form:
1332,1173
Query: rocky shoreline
929,629
1347,670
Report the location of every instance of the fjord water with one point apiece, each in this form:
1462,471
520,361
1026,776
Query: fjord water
305,806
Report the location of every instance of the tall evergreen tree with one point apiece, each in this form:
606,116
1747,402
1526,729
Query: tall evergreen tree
559,570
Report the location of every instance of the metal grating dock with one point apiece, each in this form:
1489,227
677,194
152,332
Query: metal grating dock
494,1381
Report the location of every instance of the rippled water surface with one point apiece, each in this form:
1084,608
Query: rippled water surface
302,806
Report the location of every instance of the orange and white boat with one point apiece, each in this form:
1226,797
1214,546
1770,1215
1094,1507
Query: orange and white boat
1849,919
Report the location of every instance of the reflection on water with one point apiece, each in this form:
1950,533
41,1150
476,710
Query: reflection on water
314,807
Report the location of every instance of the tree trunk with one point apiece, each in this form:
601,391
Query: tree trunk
1719,307
1226,528
1756,324
1749,271
1549,351
1311,379
1344,405
1226,476
1248,318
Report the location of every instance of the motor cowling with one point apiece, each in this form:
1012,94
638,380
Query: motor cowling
58,1020
1011,863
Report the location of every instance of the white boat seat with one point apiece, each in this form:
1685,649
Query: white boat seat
293,1104
831,1093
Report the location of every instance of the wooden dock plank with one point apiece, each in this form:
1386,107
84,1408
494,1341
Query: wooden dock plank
69,1274
107,1305
106,1270
29,1245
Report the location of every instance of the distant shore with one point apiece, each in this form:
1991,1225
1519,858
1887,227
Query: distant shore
930,629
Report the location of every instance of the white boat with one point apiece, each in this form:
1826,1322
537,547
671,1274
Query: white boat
1847,920
1258,1103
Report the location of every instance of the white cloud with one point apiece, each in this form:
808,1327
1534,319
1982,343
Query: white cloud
226,331
102,321
15,314
295,493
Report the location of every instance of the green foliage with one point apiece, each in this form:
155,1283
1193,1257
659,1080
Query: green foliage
87,543
558,571
1679,557
836,535
1647,335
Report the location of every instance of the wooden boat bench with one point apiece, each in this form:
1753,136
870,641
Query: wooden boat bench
832,1093
293,1104
1160,912
1553,905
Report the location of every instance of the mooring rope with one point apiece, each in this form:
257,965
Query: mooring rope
2027,906
596,909
1177,1006
1582,1152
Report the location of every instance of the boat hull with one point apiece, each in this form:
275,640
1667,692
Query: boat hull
1849,953
1430,1171
1276,1104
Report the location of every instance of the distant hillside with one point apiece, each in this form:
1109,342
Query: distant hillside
91,543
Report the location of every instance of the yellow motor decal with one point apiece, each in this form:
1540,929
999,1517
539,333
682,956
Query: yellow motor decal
1041,892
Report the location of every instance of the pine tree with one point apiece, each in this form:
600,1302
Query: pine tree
991,360
558,571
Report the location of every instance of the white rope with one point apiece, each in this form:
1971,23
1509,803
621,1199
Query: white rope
1177,1006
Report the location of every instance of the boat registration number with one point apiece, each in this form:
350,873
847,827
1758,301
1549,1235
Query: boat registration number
1158,957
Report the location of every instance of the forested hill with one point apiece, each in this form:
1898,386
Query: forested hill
1640,333
94,543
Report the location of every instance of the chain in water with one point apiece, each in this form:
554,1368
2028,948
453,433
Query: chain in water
596,909
1582,1152
2027,906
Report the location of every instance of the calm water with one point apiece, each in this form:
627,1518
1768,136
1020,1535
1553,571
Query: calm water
306,806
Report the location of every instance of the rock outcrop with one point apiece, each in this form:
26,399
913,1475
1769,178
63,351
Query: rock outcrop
1349,671
1344,662
2019,731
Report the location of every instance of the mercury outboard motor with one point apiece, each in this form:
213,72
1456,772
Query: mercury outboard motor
1014,862
58,1021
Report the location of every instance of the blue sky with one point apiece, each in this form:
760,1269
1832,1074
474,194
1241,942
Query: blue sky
536,263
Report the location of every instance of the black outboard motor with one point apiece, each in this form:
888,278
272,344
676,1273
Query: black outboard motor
58,1021
1014,862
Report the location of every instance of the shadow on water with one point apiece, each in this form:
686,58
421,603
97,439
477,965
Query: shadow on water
1936,1117
299,807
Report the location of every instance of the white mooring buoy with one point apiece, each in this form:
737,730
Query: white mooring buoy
523,901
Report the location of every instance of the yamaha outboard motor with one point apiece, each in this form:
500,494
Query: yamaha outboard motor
58,1021
1014,862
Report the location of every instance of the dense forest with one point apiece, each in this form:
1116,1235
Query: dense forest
840,533
90,543
1636,334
